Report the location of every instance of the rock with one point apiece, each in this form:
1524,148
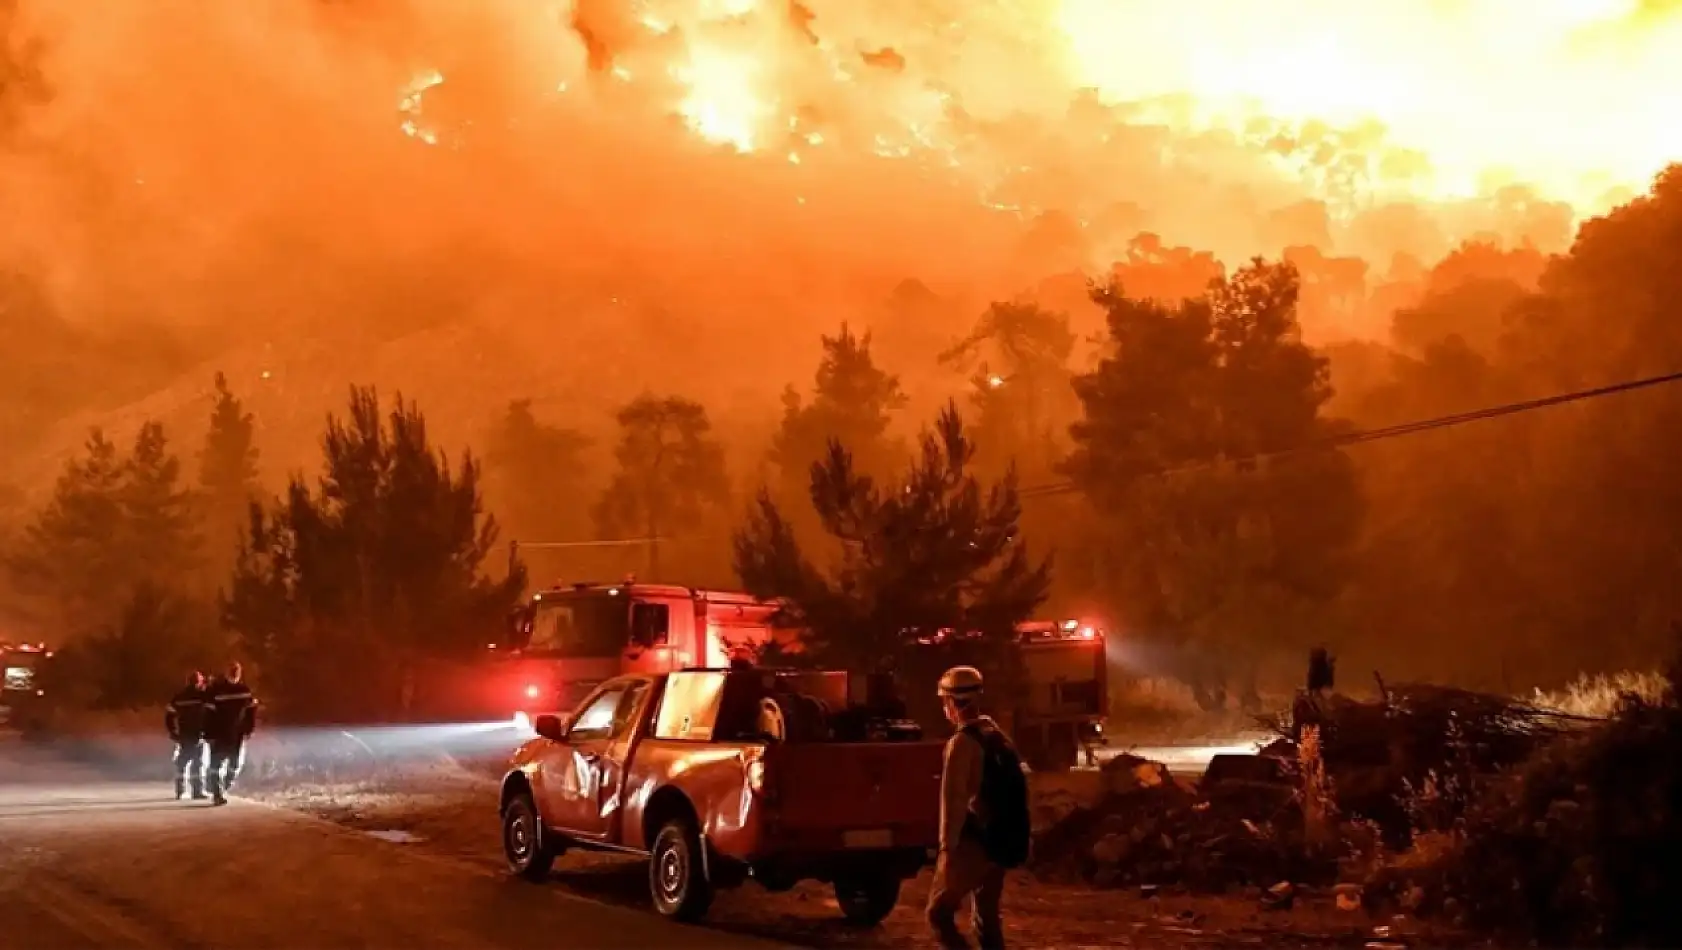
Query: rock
1260,769
1054,807
1118,825
1280,896
1348,897
1111,849
1129,773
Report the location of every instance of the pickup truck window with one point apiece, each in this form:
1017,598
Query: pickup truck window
596,720
689,709
629,706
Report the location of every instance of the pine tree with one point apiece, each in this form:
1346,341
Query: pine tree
934,549
670,476
72,557
112,526
227,473
853,400
1018,359
160,514
537,477
380,565
1233,562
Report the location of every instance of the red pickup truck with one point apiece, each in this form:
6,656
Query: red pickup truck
722,776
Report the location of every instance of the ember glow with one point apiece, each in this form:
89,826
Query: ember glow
1357,103
1567,95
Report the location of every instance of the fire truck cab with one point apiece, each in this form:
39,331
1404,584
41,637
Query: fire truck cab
20,686
1056,713
569,639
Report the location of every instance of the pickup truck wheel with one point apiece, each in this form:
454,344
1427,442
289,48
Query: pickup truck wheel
675,876
867,901
530,855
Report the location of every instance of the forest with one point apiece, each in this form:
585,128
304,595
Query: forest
1201,482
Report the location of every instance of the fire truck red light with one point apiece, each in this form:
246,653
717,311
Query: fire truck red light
1087,633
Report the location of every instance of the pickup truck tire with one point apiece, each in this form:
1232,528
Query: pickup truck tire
676,878
867,901
529,852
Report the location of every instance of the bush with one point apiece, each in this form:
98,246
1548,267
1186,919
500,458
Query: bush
1583,845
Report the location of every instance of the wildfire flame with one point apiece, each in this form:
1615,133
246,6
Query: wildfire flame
1429,101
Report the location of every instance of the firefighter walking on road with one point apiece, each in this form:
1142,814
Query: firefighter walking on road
232,717
185,720
984,820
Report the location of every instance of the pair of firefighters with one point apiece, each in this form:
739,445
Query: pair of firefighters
217,717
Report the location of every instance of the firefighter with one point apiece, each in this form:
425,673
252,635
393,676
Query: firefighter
232,717
984,822
185,720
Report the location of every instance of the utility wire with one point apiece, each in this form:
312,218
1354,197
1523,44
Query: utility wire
633,542
1384,432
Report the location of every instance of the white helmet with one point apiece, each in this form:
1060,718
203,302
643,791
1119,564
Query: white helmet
961,682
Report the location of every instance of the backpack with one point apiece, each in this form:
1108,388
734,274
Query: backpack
1003,823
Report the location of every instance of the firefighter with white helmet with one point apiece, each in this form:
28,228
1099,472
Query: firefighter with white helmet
984,825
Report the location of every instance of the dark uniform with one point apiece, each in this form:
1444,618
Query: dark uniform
232,716
185,720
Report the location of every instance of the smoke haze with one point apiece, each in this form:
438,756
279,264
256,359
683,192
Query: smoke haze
476,202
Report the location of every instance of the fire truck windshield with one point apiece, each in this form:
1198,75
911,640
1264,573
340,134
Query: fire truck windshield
590,625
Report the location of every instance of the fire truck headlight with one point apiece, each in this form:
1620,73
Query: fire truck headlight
522,723
1087,633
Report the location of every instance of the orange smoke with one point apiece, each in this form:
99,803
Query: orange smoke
659,182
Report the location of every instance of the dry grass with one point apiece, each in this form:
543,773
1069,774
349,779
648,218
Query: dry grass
1597,695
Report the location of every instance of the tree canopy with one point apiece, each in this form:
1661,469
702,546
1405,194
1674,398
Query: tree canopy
932,550
113,522
670,476
1205,545
853,400
227,472
1017,357
377,564
537,476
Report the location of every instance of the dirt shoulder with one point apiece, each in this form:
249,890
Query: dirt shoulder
451,812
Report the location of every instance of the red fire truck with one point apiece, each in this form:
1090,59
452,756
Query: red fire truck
20,679
567,640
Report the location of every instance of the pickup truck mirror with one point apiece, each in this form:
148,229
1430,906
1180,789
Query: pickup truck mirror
549,726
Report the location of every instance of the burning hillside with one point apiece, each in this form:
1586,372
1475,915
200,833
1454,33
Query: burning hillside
655,179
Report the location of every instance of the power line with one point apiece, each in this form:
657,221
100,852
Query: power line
633,542
1385,432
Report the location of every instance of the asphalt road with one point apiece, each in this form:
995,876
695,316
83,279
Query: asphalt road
90,862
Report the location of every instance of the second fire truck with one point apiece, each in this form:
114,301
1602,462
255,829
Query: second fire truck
568,639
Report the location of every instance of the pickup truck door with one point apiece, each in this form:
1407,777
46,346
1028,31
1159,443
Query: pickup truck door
607,758
567,793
